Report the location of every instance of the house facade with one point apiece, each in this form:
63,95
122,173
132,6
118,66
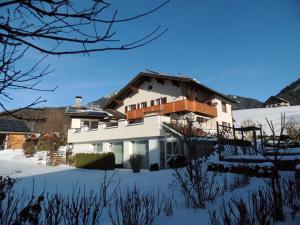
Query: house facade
12,134
274,101
138,119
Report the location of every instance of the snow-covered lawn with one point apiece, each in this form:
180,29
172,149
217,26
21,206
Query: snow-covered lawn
62,179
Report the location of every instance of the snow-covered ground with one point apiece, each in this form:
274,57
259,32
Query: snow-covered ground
259,115
62,179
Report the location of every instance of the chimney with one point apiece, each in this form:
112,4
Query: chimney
78,101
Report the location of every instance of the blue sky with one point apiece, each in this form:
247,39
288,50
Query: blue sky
240,47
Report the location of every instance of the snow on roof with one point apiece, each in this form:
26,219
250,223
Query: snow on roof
259,115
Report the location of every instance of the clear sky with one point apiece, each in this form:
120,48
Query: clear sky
240,47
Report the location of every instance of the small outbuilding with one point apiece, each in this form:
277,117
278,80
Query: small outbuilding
12,134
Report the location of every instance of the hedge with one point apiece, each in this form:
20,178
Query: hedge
103,161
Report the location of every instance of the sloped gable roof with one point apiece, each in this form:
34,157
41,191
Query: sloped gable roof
147,75
11,126
274,99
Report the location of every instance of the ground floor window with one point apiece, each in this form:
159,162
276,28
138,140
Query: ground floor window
141,148
169,149
117,149
98,147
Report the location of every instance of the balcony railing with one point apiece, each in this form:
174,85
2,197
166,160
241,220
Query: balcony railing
172,107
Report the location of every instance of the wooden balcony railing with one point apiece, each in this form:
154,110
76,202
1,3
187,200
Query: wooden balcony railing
177,106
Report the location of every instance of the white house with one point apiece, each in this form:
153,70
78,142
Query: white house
137,119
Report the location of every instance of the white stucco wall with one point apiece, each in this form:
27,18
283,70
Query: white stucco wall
222,116
168,90
75,123
150,128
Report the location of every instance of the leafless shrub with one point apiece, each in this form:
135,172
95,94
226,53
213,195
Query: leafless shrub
291,196
134,207
105,185
54,209
259,207
256,211
198,188
168,203
239,181
84,210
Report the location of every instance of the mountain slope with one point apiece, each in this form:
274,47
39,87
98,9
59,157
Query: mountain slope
101,101
291,93
245,103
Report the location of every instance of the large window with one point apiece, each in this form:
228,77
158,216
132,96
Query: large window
174,148
141,148
117,149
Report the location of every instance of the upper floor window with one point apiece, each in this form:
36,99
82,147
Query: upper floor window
143,105
132,107
94,124
152,102
157,101
163,100
224,109
91,124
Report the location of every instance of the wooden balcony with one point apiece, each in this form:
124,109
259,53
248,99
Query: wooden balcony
172,107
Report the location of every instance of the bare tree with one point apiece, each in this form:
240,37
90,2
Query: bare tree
57,27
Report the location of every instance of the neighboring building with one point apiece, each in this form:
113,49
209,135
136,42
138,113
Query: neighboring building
274,101
137,119
258,116
12,134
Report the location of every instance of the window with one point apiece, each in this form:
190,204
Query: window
224,109
141,148
94,124
163,100
225,124
157,101
86,123
132,107
126,108
152,103
143,104
91,124
98,147
138,106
